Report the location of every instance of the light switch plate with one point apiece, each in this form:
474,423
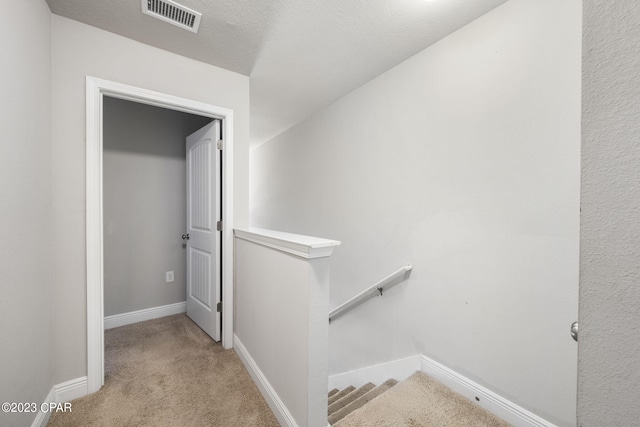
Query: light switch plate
169,276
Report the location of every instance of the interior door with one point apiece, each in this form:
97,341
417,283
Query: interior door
202,238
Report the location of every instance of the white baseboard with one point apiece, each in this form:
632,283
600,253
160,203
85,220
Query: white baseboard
141,315
71,389
377,374
273,400
60,393
42,418
489,400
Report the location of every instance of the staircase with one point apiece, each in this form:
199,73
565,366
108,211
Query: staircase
417,401
343,402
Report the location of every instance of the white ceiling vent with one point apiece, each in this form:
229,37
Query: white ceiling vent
173,13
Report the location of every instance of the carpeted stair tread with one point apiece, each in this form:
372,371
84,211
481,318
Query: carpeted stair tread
334,391
341,403
339,395
360,401
421,401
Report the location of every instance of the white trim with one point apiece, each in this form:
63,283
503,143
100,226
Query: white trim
489,400
60,393
96,89
295,244
273,400
42,418
72,389
227,232
131,317
377,374
95,327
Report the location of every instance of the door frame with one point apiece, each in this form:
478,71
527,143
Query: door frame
96,89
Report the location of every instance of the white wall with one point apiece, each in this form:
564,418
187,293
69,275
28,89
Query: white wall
80,50
26,237
463,161
609,378
144,168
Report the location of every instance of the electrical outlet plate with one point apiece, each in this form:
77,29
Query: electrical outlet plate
169,276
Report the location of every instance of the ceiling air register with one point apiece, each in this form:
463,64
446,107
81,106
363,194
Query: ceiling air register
173,13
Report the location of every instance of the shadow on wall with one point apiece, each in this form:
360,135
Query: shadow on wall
146,128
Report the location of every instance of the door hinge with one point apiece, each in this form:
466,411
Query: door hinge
219,225
219,307
219,144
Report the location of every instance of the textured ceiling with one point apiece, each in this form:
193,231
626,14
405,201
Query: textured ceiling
301,55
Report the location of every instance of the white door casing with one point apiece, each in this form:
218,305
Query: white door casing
95,89
203,240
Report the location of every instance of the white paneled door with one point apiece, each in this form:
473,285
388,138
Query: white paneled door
202,238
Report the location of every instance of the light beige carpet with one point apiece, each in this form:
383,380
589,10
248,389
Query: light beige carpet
168,372
421,401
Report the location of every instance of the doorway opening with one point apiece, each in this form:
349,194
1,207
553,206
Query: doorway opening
146,242
97,89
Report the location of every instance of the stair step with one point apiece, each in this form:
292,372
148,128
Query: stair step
332,392
361,401
419,401
341,403
339,395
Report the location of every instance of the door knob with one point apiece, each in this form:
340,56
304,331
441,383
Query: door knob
185,236
574,331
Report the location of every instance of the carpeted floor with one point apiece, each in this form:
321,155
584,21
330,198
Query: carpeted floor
168,372
420,401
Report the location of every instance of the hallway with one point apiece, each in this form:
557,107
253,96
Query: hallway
168,372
